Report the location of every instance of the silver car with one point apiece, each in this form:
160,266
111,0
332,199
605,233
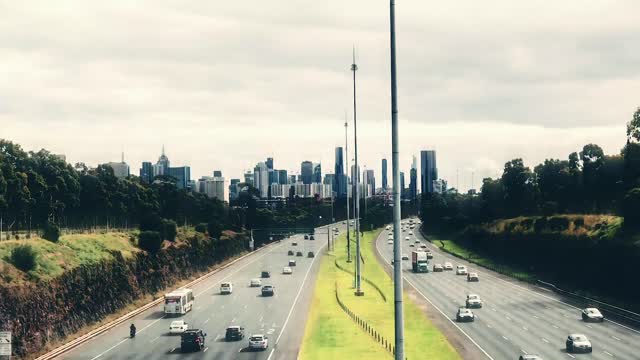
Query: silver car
473,301
578,343
592,314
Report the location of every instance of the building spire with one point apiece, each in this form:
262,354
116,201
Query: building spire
163,149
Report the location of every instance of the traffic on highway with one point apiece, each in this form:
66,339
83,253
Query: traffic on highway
502,317
254,309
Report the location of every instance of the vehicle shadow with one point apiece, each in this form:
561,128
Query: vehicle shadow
155,315
247,349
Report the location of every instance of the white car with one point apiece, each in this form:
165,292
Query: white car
178,327
405,257
461,270
287,270
410,232
388,227
473,301
226,288
465,315
448,266
255,282
390,242
406,238
259,342
473,277
592,314
578,343
417,241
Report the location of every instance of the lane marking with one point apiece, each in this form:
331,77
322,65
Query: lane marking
524,351
589,326
233,320
217,337
571,356
205,349
206,321
154,339
125,339
504,337
525,328
545,340
434,305
508,318
615,338
555,326
608,353
270,354
172,350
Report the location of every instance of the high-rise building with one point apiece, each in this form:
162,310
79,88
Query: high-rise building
293,179
217,173
428,170
283,179
317,173
413,184
120,169
329,179
401,190
162,166
306,172
340,182
355,174
270,163
273,176
233,189
261,179
182,174
384,175
369,181
213,187
439,186
146,172
248,178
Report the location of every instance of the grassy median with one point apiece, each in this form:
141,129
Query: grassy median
331,333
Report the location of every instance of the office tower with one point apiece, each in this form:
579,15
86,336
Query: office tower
233,189
329,179
162,166
273,176
261,179
413,184
270,163
120,169
428,170
292,179
317,173
355,174
248,178
402,194
283,179
182,174
369,181
384,175
213,187
146,172
217,173
340,182
306,172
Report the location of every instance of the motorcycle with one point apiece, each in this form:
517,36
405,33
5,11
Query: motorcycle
132,333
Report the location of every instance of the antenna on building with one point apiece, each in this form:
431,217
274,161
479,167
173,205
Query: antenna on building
162,149
123,157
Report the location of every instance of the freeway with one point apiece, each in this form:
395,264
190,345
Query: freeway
514,319
281,318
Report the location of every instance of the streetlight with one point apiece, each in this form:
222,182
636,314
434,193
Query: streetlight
359,291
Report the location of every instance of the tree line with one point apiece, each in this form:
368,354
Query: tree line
587,181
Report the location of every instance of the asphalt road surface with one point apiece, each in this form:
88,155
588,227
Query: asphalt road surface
281,318
514,319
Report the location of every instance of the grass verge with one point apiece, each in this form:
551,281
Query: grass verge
331,333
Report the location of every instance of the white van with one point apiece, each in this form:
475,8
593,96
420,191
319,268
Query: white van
226,288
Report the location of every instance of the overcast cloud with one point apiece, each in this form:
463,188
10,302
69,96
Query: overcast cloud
224,84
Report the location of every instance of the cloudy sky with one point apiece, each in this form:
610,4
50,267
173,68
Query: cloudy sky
224,84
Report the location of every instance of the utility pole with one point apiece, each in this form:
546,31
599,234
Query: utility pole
346,159
397,262
359,291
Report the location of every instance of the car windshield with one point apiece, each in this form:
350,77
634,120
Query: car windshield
256,338
579,338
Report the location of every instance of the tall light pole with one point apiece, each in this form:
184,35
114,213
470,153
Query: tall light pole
346,159
359,291
397,262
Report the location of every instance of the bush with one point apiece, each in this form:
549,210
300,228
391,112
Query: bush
214,229
201,228
24,257
169,230
51,232
150,241
558,223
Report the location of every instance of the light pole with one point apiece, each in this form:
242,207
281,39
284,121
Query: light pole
346,159
397,262
359,291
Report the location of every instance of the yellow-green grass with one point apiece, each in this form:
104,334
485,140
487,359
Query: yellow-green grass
71,251
329,331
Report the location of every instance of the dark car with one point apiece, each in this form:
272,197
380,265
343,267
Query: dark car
265,274
299,253
290,252
192,340
292,262
294,243
234,333
312,237
306,237
310,254
268,290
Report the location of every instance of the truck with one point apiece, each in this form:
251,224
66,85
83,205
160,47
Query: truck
419,262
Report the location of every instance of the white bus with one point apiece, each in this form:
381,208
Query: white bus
178,302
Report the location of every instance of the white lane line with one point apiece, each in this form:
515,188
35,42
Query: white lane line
524,351
233,320
125,339
154,339
589,326
508,318
615,338
555,326
489,326
437,308
217,337
525,328
205,349
295,301
536,316
172,350
504,337
545,340
261,317
206,321
571,356
608,353
246,306
270,354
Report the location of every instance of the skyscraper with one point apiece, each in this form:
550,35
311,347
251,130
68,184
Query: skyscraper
402,192
413,184
317,173
248,178
233,189
369,181
261,179
428,170
283,179
182,174
306,172
329,179
217,173
340,182
355,174
162,166
146,172
270,163
384,174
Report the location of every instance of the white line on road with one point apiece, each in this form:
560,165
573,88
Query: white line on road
504,337
172,350
125,339
589,326
206,321
545,340
270,354
525,328
205,349
524,351
217,337
555,326
155,338
615,338
233,320
508,318
571,356
489,326
608,353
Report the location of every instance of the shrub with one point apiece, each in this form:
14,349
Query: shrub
51,232
214,229
150,241
201,228
24,257
558,223
169,230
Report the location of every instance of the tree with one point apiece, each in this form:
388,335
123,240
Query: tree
633,127
214,229
24,257
150,241
51,232
169,230
518,186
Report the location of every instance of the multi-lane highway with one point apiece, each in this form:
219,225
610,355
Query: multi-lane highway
514,319
281,317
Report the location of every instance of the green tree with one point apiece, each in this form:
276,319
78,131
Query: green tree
633,127
518,185
150,241
51,232
24,257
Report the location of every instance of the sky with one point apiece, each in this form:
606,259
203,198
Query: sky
225,84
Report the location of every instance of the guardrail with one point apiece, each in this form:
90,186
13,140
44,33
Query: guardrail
587,302
364,325
106,327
